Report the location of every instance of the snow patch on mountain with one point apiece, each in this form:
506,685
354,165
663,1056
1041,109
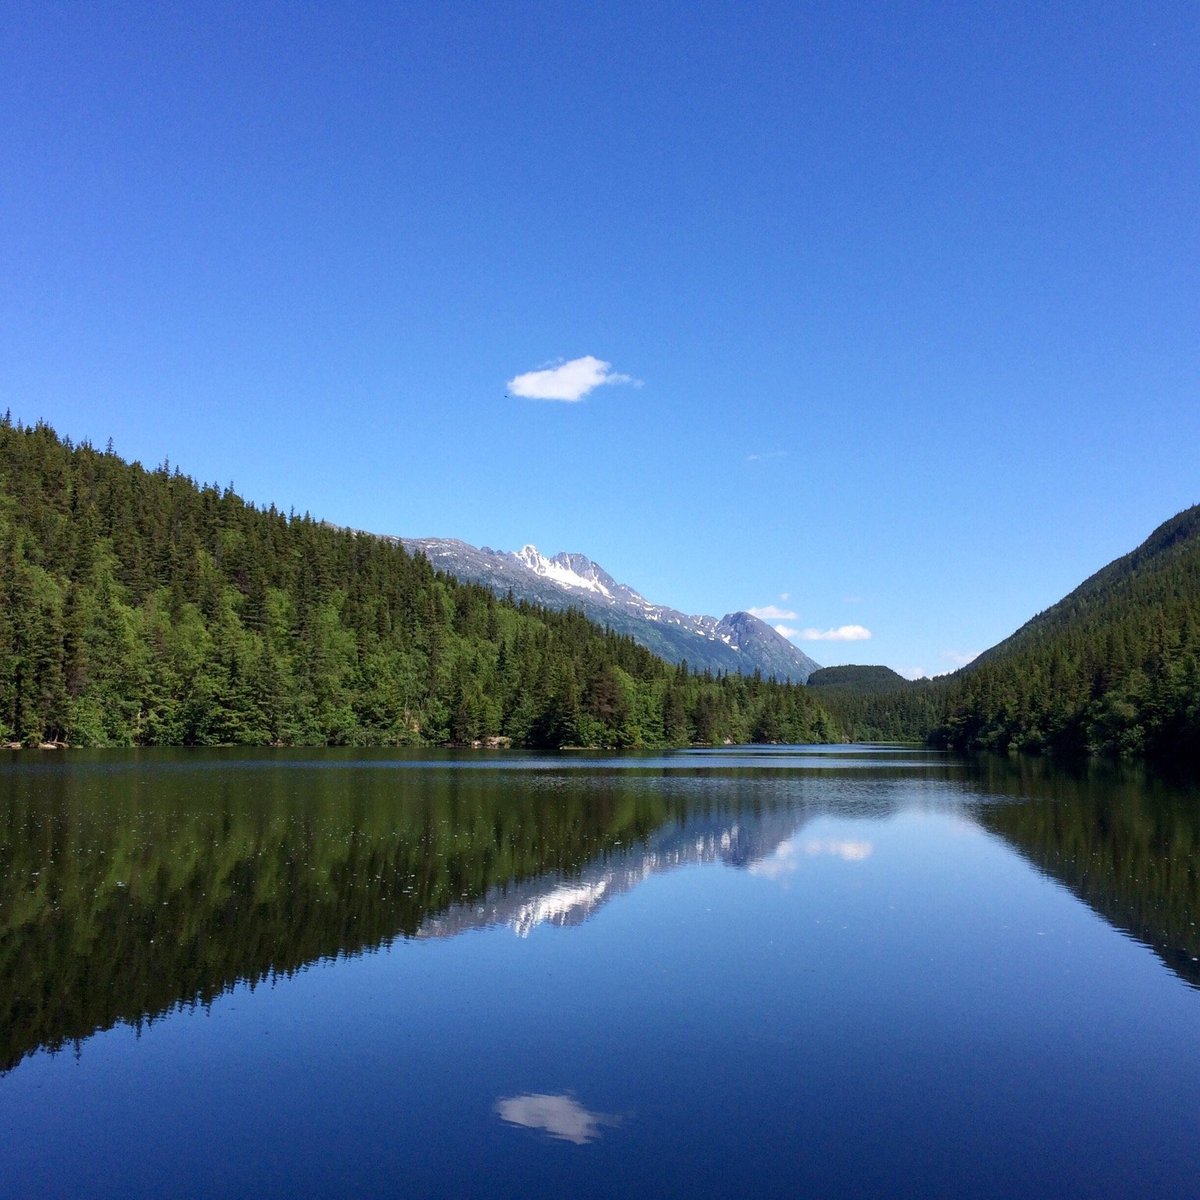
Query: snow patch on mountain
736,642
561,570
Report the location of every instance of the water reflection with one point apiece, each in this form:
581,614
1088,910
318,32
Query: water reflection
738,838
789,854
132,885
1125,841
561,1117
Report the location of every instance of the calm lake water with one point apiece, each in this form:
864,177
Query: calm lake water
827,971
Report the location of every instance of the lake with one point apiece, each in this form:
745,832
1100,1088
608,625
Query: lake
770,971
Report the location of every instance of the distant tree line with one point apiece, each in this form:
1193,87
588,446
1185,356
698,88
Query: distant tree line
138,607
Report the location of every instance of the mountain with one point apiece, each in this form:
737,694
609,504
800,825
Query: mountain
1114,667
1165,566
875,704
736,642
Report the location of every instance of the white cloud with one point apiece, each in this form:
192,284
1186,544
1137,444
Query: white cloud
785,595
772,612
765,455
843,633
787,631
911,672
959,660
562,1116
568,381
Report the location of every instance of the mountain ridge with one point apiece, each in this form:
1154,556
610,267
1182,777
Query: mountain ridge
1113,667
1173,540
737,641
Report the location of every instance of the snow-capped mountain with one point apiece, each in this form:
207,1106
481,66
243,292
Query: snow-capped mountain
735,642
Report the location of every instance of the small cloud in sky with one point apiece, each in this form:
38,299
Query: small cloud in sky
561,1116
959,660
785,595
567,380
787,631
911,672
765,455
843,633
851,599
771,612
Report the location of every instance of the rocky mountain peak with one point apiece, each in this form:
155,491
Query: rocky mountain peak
738,642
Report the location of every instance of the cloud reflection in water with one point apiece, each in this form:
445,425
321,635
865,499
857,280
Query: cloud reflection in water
561,1117
786,856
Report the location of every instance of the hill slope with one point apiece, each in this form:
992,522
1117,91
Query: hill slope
875,704
859,678
140,608
1113,667
1164,566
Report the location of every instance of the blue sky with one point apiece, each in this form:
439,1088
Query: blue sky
905,297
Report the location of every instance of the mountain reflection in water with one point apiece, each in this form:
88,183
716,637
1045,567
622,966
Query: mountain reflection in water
133,884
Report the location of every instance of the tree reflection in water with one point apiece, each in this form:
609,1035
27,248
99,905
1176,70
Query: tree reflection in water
133,884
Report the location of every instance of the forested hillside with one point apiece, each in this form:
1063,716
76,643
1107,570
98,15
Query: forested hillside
875,704
140,608
1112,668
858,678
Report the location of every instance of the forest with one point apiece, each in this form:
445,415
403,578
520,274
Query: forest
875,704
140,608
1113,668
